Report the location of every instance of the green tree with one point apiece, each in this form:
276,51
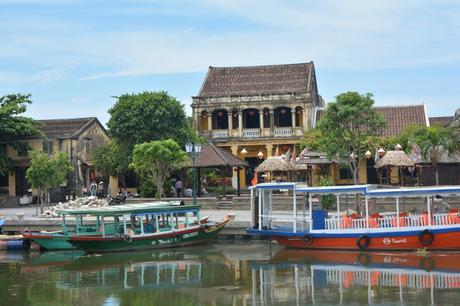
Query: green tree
154,161
435,142
347,128
148,116
113,159
14,128
47,172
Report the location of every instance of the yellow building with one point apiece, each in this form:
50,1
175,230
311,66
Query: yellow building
77,137
250,111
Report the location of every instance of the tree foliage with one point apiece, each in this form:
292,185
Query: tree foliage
148,116
113,159
154,161
14,128
47,172
435,142
348,127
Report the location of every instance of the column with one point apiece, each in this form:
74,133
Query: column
195,118
261,122
272,122
209,121
240,122
230,124
269,148
307,118
293,120
235,171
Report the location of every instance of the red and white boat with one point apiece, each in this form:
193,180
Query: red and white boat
305,227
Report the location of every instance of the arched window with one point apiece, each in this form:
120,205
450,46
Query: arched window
283,117
220,119
251,118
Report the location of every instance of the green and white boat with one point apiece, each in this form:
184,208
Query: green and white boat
144,226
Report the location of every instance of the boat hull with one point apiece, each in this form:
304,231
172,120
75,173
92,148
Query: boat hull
442,239
50,241
179,238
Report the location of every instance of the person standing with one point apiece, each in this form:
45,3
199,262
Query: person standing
100,190
178,186
93,189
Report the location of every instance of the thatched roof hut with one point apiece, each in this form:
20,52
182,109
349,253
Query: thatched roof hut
396,159
275,163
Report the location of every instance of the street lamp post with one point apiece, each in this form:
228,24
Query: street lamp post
193,149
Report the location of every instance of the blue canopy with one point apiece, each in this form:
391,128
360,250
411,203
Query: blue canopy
348,189
414,192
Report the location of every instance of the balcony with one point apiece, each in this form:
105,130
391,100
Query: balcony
251,133
220,134
283,132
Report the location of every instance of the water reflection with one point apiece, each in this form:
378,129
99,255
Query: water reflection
228,274
329,277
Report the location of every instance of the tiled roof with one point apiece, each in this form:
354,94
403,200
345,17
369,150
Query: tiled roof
213,156
63,128
400,117
397,117
442,121
257,80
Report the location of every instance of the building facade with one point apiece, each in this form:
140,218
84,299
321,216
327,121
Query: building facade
252,111
77,137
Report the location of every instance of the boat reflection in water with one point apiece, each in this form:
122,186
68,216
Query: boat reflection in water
344,277
141,270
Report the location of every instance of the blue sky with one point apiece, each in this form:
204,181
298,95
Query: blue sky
74,55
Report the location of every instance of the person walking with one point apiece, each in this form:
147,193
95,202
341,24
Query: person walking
178,187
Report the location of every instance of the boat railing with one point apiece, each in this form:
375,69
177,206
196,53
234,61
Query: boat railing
390,220
274,221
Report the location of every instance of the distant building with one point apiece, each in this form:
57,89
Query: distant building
250,111
77,137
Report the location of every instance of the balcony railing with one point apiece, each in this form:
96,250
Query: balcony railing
220,134
283,132
251,133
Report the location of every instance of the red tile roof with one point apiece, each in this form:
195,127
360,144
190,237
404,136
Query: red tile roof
400,117
442,121
63,128
257,80
397,117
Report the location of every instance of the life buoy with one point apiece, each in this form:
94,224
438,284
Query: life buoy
426,237
363,242
127,238
427,264
308,239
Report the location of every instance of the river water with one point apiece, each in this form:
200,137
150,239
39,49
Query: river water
229,274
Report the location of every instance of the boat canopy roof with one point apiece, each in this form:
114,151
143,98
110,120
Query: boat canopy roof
152,207
348,189
275,186
414,191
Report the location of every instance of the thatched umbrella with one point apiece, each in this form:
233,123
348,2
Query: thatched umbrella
395,159
275,164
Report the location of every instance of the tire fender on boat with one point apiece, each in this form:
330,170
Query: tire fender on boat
308,239
363,242
426,237
127,238
427,264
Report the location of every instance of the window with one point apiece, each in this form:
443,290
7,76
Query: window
3,184
48,147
